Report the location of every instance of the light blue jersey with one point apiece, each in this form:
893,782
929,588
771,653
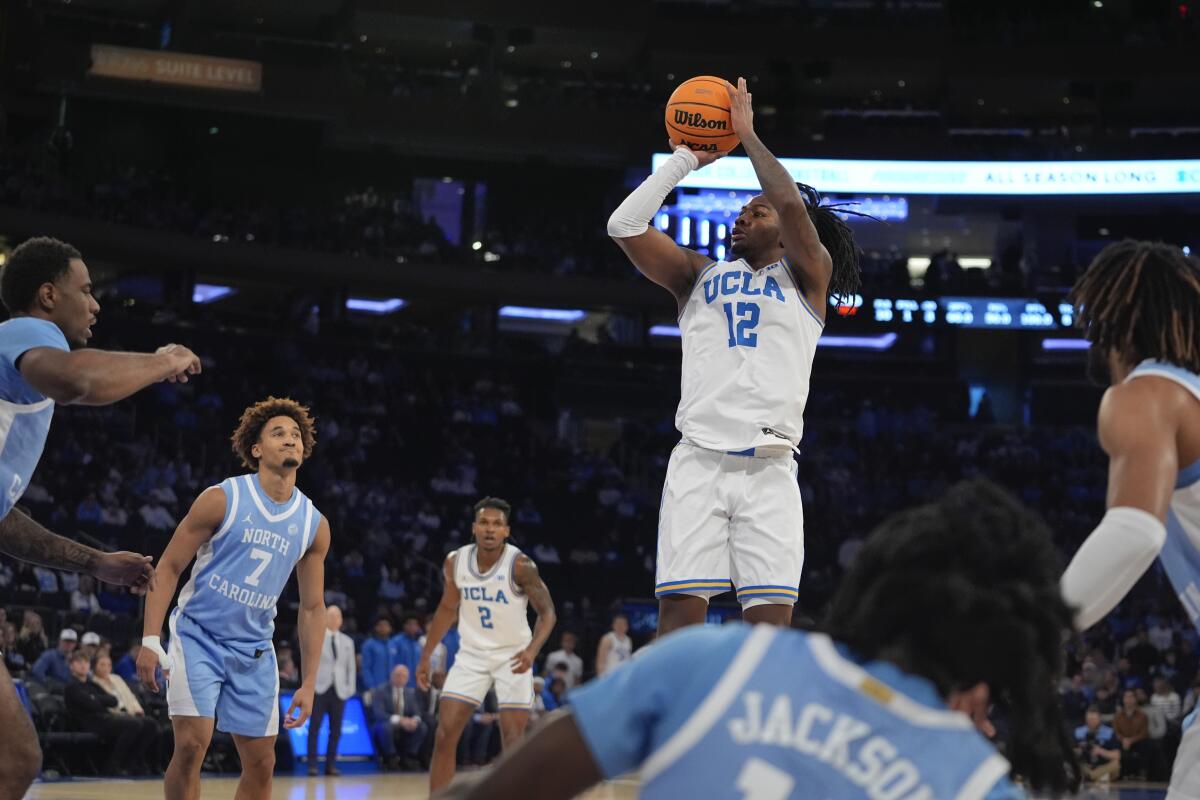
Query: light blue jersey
25,412
1180,555
241,571
764,713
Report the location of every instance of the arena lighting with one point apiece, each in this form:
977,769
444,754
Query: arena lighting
210,292
1180,176
665,330
551,314
882,342
1065,344
369,305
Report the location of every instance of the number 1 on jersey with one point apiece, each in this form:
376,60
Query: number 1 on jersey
485,617
742,335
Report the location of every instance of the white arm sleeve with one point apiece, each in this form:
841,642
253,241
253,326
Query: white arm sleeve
1109,563
632,217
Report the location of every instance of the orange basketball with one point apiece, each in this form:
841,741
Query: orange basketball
698,116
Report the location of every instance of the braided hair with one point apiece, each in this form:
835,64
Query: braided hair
1142,300
963,591
838,239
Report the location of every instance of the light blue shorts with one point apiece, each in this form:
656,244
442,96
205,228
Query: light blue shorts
238,685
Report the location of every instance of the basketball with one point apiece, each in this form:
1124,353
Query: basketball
698,116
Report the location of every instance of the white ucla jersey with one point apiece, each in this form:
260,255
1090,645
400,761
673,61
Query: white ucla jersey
1180,555
749,337
240,572
492,610
620,651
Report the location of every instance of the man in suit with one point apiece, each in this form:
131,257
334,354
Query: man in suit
398,721
335,684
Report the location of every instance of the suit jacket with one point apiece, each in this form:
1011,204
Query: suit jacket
339,672
383,702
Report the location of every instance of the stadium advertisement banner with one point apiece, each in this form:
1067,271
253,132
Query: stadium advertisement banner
960,177
177,69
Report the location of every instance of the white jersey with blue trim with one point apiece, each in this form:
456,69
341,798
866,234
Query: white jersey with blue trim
492,609
240,572
764,713
749,338
1180,555
25,413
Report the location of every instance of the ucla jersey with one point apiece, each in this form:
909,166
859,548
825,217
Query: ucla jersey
492,609
240,572
1180,555
749,337
766,713
25,413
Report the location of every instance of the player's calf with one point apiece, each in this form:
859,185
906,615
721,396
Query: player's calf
20,763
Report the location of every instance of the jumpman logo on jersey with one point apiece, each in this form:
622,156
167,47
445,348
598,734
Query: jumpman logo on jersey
249,520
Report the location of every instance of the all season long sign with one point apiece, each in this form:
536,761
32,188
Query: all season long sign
177,69
961,177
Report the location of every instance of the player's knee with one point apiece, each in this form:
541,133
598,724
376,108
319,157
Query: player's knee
20,763
189,754
260,765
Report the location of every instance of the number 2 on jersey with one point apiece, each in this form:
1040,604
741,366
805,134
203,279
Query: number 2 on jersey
742,333
485,617
759,780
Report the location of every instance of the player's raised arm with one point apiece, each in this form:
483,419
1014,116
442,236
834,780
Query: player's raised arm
1137,425
310,573
653,252
443,618
801,242
531,583
201,522
100,377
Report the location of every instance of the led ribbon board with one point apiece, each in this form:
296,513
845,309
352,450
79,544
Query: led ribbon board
735,173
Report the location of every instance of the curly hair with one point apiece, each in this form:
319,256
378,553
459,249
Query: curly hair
1142,299
38,261
253,419
963,591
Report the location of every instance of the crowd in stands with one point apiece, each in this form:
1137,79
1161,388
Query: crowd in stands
408,440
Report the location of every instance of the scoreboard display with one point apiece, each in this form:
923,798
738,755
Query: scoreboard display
962,312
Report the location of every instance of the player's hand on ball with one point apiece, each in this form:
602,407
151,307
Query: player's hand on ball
522,661
423,675
183,362
126,569
741,109
705,157
302,703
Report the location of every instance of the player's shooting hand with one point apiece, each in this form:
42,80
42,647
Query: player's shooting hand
741,109
423,674
705,157
126,569
522,661
183,362
302,703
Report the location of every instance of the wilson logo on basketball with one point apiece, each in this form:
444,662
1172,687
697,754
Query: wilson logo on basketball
697,120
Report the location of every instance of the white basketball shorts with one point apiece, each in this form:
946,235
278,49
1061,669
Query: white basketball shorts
730,521
474,673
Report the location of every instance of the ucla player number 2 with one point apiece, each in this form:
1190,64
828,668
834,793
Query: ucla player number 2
485,617
741,329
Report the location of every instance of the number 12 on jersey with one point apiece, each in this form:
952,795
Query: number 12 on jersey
742,321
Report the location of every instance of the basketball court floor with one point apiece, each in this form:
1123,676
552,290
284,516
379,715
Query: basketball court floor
376,786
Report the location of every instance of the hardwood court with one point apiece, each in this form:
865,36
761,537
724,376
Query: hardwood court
390,787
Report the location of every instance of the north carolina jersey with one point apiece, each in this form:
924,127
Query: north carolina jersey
240,572
749,337
762,712
25,413
492,609
1180,555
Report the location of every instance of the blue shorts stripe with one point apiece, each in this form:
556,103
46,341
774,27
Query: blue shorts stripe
768,586
666,584
758,595
460,698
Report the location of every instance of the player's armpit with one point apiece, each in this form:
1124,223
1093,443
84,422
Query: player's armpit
552,764
1137,426
661,260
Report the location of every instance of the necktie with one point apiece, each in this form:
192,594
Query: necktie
333,646
400,701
